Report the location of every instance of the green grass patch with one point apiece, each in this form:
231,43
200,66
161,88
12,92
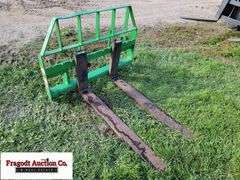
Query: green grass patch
200,90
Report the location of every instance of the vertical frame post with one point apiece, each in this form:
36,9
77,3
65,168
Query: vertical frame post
58,34
82,71
42,67
113,26
126,18
133,33
79,30
98,25
66,78
116,52
113,21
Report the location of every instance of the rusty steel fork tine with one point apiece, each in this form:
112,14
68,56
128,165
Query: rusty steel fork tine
123,131
146,104
141,100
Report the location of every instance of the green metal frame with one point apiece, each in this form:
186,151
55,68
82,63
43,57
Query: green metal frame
127,34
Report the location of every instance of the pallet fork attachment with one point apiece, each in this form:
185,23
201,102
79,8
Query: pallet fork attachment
54,45
121,47
118,126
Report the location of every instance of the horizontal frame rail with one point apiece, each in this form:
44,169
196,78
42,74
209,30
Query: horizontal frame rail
73,46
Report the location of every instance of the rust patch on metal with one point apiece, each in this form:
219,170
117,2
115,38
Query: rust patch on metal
123,131
146,104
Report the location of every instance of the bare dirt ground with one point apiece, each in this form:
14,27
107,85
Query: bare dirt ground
24,20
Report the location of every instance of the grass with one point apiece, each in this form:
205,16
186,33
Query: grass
194,76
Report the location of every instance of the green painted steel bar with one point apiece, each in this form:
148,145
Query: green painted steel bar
92,75
48,36
59,68
97,26
58,34
112,28
132,16
79,29
113,22
41,64
91,41
91,12
67,64
62,67
126,18
66,78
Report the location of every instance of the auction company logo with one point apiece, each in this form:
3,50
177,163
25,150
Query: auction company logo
36,165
